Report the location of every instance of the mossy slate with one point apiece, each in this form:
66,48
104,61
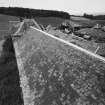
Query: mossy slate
54,73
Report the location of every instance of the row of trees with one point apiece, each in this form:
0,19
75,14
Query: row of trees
26,12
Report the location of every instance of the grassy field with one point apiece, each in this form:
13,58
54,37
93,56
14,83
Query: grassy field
6,18
102,22
79,18
53,21
10,91
5,25
83,20
73,19
58,74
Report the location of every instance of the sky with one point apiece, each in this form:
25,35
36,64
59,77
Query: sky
70,6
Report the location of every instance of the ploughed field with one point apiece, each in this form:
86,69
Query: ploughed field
55,73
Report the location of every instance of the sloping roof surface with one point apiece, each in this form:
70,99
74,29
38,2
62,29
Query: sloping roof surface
55,73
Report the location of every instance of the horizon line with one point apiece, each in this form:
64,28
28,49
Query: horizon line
77,14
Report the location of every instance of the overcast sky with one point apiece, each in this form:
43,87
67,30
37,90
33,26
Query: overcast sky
71,6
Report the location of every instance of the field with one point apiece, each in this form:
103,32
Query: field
82,21
10,91
53,21
102,22
53,72
5,26
6,18
87,21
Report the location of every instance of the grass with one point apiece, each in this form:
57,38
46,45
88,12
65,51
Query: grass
79,18
82,21
7,18
87,21
59,74
102,22
10,91
5,25
53,21
4,29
